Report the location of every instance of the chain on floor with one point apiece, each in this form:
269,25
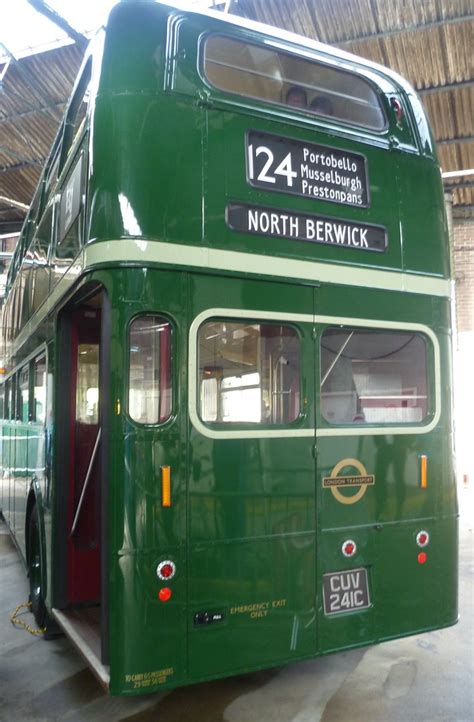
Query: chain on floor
16,621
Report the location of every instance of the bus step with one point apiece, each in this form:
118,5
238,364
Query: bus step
84,632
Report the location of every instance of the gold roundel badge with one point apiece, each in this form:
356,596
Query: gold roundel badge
361,481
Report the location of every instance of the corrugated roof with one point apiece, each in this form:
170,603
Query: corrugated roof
33,97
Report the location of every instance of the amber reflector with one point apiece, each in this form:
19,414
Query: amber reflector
424,471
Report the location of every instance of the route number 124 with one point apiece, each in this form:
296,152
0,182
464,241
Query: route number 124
263,167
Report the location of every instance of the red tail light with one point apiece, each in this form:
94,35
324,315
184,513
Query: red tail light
165,594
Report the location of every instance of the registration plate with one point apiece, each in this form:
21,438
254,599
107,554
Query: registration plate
345,591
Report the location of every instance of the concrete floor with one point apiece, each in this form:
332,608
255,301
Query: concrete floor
426,678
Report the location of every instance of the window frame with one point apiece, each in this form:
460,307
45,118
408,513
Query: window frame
24,369
310,326
71,140
224,428
173,371
12,385
14,396
326,62
34,363
7,399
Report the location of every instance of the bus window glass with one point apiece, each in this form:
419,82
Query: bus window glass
150,390
87,388
23,395
52,173
6,400
40,390
77,113
373,377
248,372
266,74
40,270
7,397
13,399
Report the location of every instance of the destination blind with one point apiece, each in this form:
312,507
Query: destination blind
306,169
277,223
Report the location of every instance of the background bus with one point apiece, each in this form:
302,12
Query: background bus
227,433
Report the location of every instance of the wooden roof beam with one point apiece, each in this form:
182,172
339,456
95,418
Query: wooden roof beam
27,164
41,7
457,186
463,207
407,29
456,139
4,118
14,203
14,153
447,86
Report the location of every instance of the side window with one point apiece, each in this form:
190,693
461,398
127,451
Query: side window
373,376
70,222
6,400
87,387
30,227
249,372
77,111
13,399
52,172
39,390
24,260
150,378
23,410
39,260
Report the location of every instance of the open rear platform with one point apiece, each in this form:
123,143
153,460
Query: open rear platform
82,626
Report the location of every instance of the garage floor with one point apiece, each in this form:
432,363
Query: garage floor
428,678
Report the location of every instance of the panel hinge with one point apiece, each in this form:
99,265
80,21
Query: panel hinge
203,99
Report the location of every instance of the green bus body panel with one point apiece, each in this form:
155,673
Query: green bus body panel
408,597
255,545
251,528
154,637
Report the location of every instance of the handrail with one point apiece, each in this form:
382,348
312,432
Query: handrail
341,350
83,492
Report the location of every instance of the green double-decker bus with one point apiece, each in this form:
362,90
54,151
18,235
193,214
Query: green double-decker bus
226,437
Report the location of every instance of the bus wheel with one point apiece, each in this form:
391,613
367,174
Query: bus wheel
34,569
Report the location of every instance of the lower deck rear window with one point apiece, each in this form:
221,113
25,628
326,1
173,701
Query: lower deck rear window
248,372
373,377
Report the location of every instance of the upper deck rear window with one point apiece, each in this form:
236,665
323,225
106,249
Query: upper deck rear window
277,77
